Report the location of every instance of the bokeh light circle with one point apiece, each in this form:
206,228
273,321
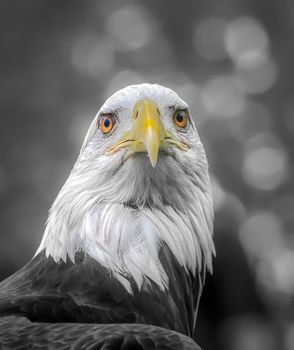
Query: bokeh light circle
246,41
208,38
222,98
130,27
265,162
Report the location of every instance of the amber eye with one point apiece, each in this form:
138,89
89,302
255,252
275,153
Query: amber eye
106,123
181,118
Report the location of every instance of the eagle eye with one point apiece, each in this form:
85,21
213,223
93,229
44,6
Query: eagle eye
181,118
106,123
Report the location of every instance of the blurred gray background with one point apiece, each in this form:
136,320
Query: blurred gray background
233,62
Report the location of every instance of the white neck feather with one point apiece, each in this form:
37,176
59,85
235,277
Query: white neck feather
91,214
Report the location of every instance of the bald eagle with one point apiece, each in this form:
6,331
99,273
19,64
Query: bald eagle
128,239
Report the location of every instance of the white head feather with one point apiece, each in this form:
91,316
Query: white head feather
119,209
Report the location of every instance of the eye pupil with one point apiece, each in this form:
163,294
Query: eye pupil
180,118
106,122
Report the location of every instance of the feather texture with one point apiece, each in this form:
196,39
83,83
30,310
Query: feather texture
74,336
126,247
85,291
119,210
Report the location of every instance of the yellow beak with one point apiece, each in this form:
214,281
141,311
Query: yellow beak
148,130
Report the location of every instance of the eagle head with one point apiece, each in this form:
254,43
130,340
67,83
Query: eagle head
141,180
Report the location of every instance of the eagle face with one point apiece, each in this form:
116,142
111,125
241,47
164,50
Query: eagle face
142,118
144,140
140,182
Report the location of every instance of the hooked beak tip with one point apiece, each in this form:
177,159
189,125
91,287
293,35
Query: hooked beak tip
153,162
152,141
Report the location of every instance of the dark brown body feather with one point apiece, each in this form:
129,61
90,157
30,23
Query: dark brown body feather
74,296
